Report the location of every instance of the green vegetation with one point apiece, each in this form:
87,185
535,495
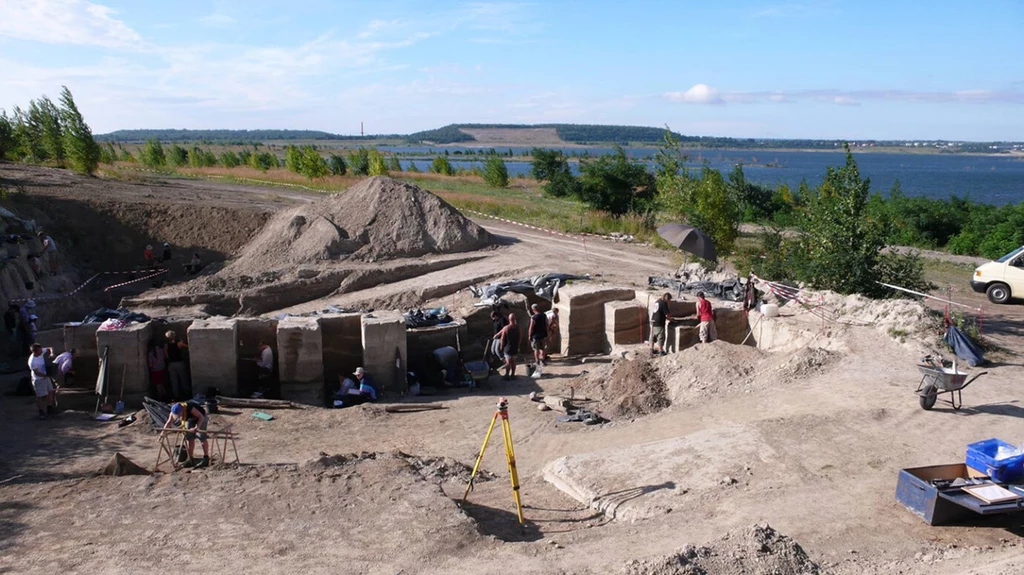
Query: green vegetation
450,134
229,136
442,166
337,165
495,172
359,162
378,166
48,133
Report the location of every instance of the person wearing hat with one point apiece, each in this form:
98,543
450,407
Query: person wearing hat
32,329
356,392
167,252
50,249
149,256
41,382
191,416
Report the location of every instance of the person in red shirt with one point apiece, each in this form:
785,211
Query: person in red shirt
149,256
706,315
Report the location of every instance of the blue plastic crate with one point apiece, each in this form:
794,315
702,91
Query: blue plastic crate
982,456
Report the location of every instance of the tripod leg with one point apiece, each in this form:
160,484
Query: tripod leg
479,458
510,457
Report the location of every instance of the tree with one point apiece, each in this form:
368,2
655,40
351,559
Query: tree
754,202
126,156
177,156
359,161
704,202
394,164
841,244
44,116
495,172
263,161
312,164
229,159
293,159
83,153
152,154
108,155
547,164
616,184
337,165
7,141
441,165
378,166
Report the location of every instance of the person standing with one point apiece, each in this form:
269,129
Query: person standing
149,256
509,337
706,315
498,322
538,332
553,334
42,385
156,358
166,257
50,249
193,418
659,319
174,351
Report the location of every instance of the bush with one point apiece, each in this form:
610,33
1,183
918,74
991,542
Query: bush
441,165
495,172
337,165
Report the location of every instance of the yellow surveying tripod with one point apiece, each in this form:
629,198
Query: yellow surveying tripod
510,456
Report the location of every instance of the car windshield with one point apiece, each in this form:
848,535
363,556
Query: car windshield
1010,255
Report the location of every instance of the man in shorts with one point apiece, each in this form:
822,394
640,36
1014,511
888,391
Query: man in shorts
509,337
553,336
659,319
707,330
42,384
191,416
538,334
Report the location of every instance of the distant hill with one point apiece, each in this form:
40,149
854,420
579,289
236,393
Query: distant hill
227,136
569,133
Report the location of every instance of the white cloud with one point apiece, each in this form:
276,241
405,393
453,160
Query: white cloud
697,94
217,20
76,22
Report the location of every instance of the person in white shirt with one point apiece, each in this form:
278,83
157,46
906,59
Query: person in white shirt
41,382
65,364
50,249
264,368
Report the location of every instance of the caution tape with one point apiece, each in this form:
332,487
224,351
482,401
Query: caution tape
142,279
581,236
82,286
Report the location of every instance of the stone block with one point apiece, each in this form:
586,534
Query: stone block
342,335
213,354
732,325
684,336
581,316
127,351
384,342
300,351
625,322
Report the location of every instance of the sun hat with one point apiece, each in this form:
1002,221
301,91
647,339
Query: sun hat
360,371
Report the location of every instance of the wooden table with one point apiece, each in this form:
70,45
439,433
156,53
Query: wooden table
174,438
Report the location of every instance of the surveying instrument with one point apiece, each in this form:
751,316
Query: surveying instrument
510,456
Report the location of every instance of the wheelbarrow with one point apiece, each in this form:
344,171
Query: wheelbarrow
937,379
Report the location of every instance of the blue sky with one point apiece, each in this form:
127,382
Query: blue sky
815,69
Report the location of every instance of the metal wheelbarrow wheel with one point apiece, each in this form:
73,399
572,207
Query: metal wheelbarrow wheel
927,397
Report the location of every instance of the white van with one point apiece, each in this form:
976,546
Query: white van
1002,279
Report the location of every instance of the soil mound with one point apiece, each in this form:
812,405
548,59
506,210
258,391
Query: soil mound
757,550
378,218
642,386
627,388
434,469
119,465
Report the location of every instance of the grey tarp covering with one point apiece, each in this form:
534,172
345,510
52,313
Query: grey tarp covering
963,347
158,411
543,286
731,290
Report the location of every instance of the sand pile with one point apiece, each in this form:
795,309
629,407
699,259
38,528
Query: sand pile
378,218
757,550
630,388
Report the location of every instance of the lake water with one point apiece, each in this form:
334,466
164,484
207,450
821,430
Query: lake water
988,179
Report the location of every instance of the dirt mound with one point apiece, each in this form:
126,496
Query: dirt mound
627,388
120,465
757,550
378,218
631,388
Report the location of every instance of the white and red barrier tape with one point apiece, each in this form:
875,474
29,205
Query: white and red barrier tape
137,280
89,281
581,236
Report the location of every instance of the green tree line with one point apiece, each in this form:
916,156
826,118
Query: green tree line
49,133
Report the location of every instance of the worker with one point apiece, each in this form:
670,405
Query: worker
707,330
659,319
191,416
264,368
356,392
166,257
553,334
149,256
42,384
509,337
50,249
538,332
65,365
174,353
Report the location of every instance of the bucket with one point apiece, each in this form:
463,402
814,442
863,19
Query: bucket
770,310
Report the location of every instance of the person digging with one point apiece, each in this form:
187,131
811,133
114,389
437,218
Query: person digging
192,417
659,319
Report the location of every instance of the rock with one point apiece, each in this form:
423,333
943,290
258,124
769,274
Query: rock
543,407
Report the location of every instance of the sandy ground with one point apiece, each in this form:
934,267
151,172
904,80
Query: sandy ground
815,453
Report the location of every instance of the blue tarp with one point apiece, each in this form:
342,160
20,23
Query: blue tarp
963,347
